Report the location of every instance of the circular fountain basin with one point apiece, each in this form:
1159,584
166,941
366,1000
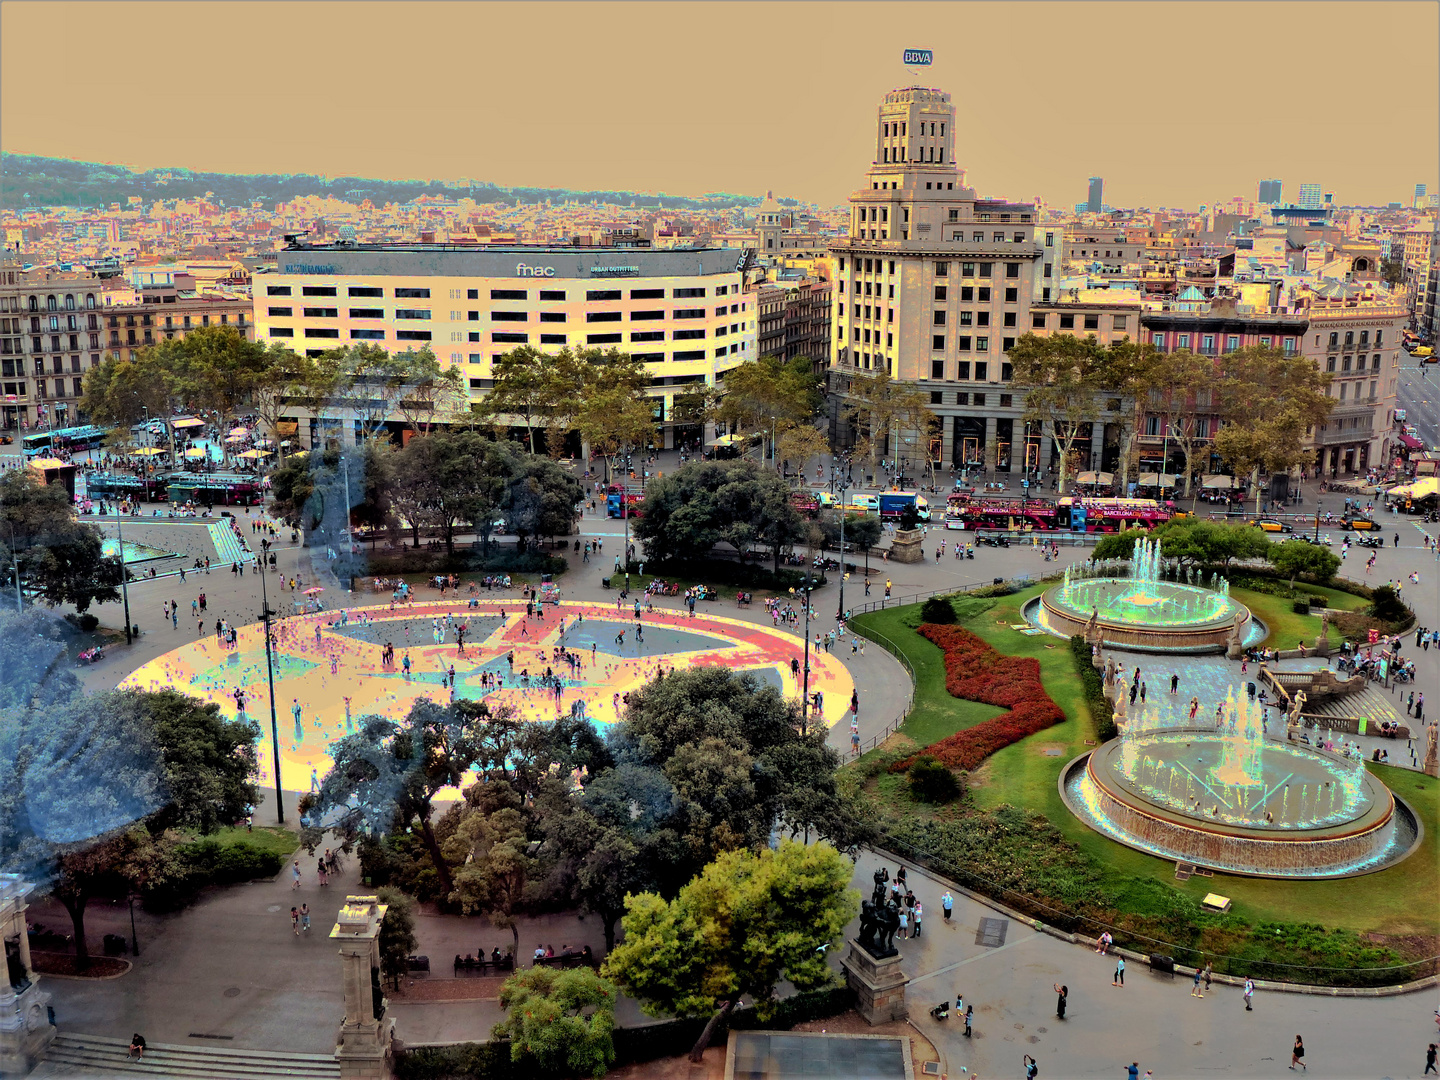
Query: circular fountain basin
1146,615
1297,812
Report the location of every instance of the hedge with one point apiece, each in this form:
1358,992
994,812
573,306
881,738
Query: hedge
1101,707
426,561
724,572
207,862
633,1045
976,672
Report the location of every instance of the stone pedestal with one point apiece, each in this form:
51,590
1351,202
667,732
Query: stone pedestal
905,547
879,985
25,1028
362,1047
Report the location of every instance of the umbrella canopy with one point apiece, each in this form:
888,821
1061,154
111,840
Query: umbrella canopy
188,422
235,438
313,590
1160,480
1095,478
1217,482
253,454
195,452
147,451
239,432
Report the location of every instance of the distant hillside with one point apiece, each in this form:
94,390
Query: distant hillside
28,181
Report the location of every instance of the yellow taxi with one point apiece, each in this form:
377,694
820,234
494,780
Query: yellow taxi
1270,525
1358,522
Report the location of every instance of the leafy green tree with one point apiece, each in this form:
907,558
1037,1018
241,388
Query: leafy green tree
1180,395
770,389
1191,541
799,442
559,1022
1062,376
1392,271
397,933
524,388
740,927
1128,372
542,498
430,393
1385,604
614,413
210,762
60,557
1294,557
388,773
706,503
491,845
877,405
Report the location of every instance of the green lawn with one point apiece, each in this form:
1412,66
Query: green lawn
282,842
1400,900
1286,628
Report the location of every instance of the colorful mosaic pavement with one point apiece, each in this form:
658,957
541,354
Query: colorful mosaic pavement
328,669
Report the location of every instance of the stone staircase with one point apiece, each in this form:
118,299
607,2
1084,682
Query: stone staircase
93,1057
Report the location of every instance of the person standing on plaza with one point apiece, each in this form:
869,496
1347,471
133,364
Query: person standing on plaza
295,874
946,903
1132,1071
1249,992
1297,1054
1209,973
1062,994
1119,979
1032,1067
1195,985
305,917
917,918
969,1012
1174,683
295,921
904,922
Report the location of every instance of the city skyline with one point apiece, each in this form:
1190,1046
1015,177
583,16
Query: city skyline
721,137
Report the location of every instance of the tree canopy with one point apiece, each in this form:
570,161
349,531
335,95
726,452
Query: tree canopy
1294,557
1192,541
743,924
60,557
560,1022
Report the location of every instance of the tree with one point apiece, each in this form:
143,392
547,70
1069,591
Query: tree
365,379
276,389
1130,371
429,393
769,390
210,762
390,772
1270,401
1392,271
697,405
613,413
560,1022
524,388
877,404
34,668
1191,542
60,557
1294,557
214,368
740,927
78,780
1061,376
541,498
491,844
1180,396
449,478
706,503
397,933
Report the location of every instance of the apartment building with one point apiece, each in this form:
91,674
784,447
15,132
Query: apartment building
1107,250
156,313
794,320
1354,333
932,284
680,311
50,335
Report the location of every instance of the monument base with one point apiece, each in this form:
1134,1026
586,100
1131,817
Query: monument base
879,985
25,1031
905,546
363,1051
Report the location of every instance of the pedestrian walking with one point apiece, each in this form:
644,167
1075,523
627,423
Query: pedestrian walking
1031,1066
1195,984
1249,992
1132,1071
969,1012
320,872
1430,1061
946,903
295,921
1209,973
295,874
1062,993
305,917
1174,683
1297,1054
1119,979
917,918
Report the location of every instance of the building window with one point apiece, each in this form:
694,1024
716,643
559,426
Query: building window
277,290
659,335
1330,364
274,312
372,291
411,294
317,313
321,332
367,335
322,290
1232,342
1117,322
962,371
982,344
942,269
1009,318
938,318
1037,322
604,339
403,313
937,342
1012,270
603,294
940,293
963,343
412,335
1067,322
1092,322
937,369
509,337
979,399
362,312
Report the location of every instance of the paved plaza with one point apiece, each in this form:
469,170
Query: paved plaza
192,963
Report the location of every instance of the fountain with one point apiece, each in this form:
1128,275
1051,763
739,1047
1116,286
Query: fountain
1143,610
1235,811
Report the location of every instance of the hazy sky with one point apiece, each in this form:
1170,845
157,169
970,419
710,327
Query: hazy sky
1174,104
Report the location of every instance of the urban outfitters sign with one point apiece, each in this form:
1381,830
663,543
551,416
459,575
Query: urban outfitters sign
920,57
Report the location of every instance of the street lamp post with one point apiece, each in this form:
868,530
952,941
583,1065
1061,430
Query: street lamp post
124,576
842,482
134,941
15,565
265,615
349,560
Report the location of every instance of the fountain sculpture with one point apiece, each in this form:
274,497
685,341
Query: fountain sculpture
1153,607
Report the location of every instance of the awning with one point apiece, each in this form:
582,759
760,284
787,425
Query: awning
239,432
1424,488
189,422
147,451
254,454
1095,478
234,438
1411,442
1160,480
195,453
730,440
1218,482
49,463
287,427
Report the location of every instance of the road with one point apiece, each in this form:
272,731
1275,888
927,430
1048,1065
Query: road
1419,395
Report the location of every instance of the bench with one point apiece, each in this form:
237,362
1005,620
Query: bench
567,960
417,963
476,969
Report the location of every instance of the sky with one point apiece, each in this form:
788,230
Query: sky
1174,104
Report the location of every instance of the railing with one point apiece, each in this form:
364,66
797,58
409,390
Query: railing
894,725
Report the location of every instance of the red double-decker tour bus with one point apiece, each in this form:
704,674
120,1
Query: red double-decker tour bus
964,510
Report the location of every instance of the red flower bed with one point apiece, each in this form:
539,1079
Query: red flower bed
976,672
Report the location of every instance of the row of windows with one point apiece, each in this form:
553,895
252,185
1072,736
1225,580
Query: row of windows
1208,342
681,356
52,303
973,318
962,343
1091,322
1345,366
981,374
472,294
1350,338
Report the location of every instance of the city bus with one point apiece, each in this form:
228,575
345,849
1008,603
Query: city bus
207,489
622,503
1080,514
72,439
964,510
